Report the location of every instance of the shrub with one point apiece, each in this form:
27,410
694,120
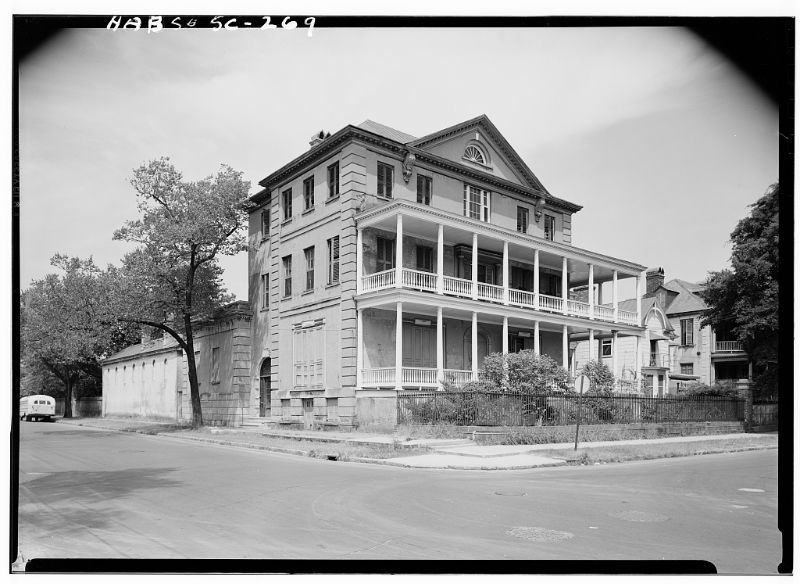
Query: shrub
601,380
527,373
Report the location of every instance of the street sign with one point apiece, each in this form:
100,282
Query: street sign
582,383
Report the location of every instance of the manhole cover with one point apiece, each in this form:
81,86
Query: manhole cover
639,516
510,493
539,534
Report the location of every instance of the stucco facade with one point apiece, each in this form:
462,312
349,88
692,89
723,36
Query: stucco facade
362,279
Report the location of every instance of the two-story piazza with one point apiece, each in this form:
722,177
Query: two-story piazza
382,263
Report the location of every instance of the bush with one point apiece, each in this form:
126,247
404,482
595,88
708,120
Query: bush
527,373
601,380
725,388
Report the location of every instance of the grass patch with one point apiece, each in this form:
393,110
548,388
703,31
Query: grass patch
648,451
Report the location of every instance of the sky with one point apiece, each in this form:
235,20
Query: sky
660,138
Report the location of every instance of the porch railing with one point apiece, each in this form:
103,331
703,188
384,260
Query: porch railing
419,375
604,313
627,317
577,308
728,346
377,281
658,360
552,303
490,292
521,298
379,376
457,286
457,376
419,280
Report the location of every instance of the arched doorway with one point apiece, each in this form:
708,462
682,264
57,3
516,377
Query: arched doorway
265,386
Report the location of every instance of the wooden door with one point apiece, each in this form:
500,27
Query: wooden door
419,346
265,388
308,413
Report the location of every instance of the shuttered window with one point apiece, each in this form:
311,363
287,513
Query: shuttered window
309,253
308,358
333,260
287,276
385,254
385,180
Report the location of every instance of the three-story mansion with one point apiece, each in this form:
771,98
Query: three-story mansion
382,263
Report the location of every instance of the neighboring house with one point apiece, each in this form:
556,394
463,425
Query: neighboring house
151,378
675,350
382,263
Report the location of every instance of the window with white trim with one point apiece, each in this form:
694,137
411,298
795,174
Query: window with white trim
605,347
424,188
309,253
687,331
477,203
287,204
264,291
385,180
287,276
308,193
333,180
687,368
309,356
549,227
265,219
522,219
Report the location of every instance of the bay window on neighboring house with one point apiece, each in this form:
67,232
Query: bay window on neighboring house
287,276
384,258
309,253
549,227
333,260
308,347
385,180
687,331
477,203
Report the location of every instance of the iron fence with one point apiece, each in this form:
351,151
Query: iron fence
519,409
765,414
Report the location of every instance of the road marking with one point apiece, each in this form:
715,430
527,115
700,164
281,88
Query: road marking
748,490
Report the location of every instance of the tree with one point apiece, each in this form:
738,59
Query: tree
744,299
173,278
601,379
64,329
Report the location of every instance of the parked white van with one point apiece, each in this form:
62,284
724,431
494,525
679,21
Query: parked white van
37,407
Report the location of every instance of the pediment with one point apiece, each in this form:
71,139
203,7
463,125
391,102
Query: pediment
479,145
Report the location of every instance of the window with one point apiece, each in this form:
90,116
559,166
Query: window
265,218
309,349
332,407
522,219
287,204
333,180
424,258
522,279
385,254
687,368
333,260
474,154
424,187
287,276
285,408
264,291
215,365
549,227
476,203
308,193
309,253
605,347
687,331
385,180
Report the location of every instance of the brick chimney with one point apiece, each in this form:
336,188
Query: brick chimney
655,278
318,138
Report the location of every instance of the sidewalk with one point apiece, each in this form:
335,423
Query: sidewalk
455,453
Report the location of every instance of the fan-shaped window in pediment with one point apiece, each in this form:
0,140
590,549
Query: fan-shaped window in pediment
475,154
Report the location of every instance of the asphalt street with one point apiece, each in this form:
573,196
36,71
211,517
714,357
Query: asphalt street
95,493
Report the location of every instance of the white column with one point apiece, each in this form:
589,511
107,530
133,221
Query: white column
591,345
359,346
536,278
537,348
398,349
474,346
599,294
398,250
639,299
614,361
564,284
440,260
474,266
359,259
439,346
638,355
565,348
591,291
505,334
614,297
505,272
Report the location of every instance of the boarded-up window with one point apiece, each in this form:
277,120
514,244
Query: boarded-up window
309,356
